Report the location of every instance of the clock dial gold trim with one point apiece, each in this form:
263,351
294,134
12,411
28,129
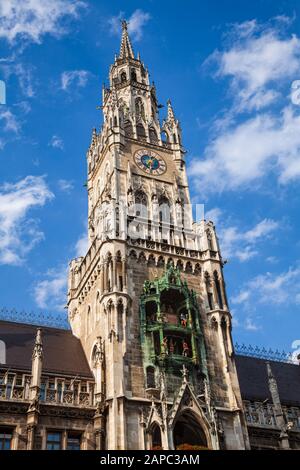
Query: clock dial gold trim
150,162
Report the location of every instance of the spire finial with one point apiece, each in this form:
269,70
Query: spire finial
126,50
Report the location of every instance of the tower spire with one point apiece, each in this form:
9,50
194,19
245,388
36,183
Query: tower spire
171,115
126,50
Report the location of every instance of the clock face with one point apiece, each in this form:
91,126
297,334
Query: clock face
150,162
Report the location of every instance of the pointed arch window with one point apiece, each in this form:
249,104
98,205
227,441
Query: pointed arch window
164,137
98,307
128,128
164,210
123,77
150,375
141,204
140,130
218,289
88,320
133,76
153,135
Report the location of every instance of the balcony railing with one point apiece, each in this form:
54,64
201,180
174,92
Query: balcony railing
262,414
53,390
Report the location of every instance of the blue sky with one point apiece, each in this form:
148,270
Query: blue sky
228,67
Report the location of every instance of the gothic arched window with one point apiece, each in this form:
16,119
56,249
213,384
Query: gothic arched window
164,137
128,128
133,76
164,210
97,307
153,135
123,77
140,130
218,289
88,320
141,204
150,374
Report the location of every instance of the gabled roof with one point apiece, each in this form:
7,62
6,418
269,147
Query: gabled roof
62,351
253,379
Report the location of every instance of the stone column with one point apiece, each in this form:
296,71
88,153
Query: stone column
279,416
124,274
34,391
102,279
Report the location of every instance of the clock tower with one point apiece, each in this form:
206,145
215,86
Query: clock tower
148,301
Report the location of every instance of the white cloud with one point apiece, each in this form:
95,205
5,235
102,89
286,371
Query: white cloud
250,325
51,293
32,19
272,259
244,154
24,74
214,215
65,185
271,288
257,61
243,245
19,233
56,142
75,78
241,297
81,246
136,22
10,122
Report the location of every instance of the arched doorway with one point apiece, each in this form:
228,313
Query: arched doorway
188,434
156,443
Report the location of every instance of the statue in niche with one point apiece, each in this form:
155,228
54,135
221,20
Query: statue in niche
99,351
107,190
91,227
147,287
107,219
183,320
130,201
164,346
178,209
185,349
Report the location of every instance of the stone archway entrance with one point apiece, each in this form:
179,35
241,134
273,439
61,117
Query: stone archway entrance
188,434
